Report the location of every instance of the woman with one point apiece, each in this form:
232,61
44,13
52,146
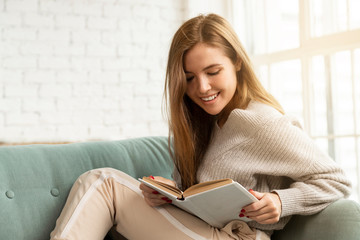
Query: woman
223,124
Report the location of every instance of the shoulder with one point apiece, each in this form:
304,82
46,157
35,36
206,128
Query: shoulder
242,126
282,139
259,125
253,118
271,123
264,126
259,114
257,111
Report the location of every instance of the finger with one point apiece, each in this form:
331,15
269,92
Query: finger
257,212
256,194
268,218
155,198
262,207
152,195
145,188
267,214
265,199
254,207
268,221
155,202
262,215
257,205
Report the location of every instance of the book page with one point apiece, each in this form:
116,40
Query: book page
162,186
205,186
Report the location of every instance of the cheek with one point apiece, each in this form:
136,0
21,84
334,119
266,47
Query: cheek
190,89
233,81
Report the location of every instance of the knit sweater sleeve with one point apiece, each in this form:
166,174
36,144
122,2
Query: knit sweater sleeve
315,179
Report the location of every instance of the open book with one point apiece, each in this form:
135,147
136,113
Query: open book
216,202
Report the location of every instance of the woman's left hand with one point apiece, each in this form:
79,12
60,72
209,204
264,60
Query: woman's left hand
266,211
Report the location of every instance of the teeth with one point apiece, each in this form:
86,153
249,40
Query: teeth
210,98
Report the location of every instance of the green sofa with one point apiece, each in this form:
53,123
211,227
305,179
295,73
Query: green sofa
36,179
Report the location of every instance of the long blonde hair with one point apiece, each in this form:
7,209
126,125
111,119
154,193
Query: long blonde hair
191,127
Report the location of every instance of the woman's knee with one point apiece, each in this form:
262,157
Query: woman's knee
93,175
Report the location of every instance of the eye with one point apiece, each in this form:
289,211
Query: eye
189,78
214,73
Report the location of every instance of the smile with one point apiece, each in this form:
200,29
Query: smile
210,98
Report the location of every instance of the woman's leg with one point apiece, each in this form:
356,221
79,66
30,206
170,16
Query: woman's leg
105,197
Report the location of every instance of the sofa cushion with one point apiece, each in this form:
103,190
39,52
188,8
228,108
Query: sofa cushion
340,220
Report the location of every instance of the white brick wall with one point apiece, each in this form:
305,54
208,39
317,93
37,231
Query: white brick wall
84,70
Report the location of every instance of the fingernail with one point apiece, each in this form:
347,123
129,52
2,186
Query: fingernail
241,215
242,210
247,216
155,192
250,190
169,201
151,177
165,198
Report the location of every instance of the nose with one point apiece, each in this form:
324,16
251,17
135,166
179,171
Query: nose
203,85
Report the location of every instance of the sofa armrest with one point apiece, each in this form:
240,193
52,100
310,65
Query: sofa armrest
340,220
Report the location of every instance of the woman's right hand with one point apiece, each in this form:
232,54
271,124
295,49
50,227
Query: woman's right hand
152,197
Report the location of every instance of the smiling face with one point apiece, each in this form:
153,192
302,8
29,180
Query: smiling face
211,77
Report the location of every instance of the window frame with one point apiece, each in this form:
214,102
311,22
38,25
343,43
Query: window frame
326,45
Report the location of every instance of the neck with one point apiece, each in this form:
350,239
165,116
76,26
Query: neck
222,121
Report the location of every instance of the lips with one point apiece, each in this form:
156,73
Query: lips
210,98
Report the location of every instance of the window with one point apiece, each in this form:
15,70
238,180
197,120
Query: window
307,54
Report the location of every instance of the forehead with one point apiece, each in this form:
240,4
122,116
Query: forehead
203,55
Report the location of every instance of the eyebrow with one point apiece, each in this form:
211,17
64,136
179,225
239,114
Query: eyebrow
208,67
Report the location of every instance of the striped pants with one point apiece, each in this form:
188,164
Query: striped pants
103,198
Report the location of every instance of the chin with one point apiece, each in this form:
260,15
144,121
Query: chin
212,112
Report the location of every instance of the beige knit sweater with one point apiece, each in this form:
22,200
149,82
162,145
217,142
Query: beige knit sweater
268,152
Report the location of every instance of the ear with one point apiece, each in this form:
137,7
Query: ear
238,65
